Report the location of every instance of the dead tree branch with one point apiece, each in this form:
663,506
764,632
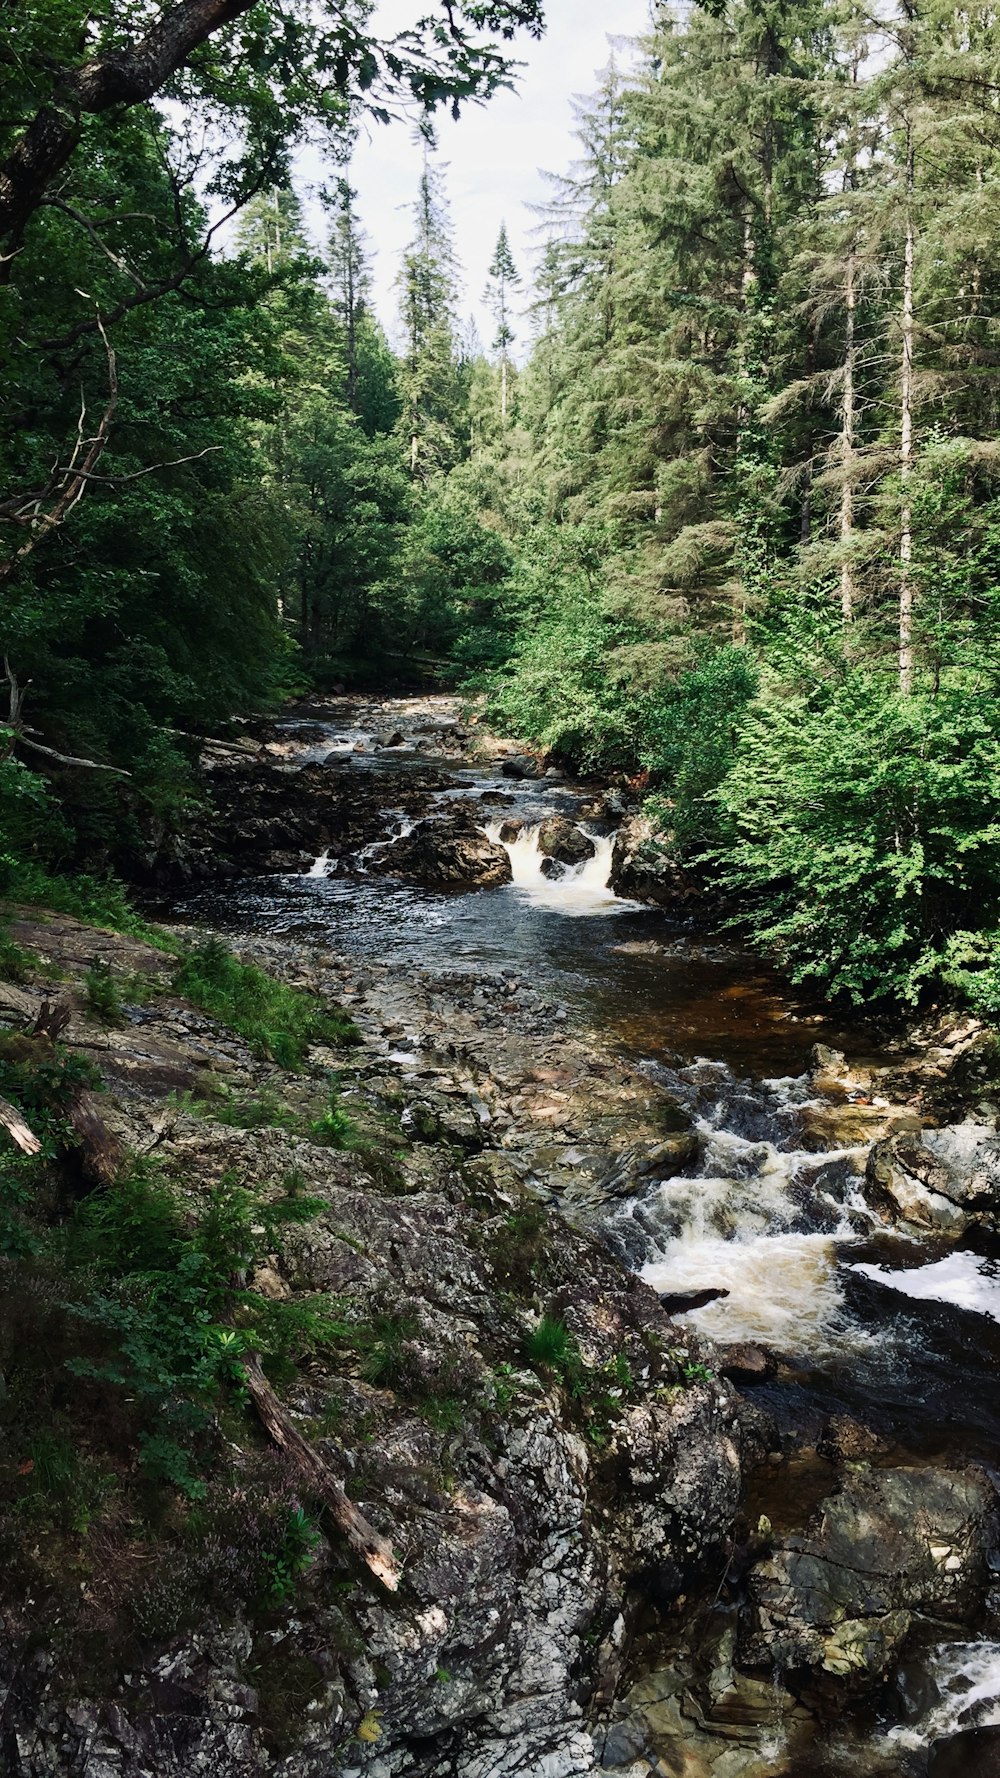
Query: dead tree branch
363,1539
71,483
18,1131
17,736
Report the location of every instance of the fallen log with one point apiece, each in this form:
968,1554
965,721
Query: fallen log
363,1539
22,1137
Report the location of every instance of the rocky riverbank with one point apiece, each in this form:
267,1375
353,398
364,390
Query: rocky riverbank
565,1325
559,1465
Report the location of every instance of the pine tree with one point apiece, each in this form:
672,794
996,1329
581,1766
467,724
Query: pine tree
429,379
503,278
350,280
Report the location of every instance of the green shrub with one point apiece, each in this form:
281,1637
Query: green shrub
551,1346
168,1313
15,963
277,1021
102,995
862,832
691,730
291,1558
334,1129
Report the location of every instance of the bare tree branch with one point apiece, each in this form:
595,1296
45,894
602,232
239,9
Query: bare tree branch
71,486
69,759
17,735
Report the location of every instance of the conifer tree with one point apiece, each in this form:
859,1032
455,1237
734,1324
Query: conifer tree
429,380
503,278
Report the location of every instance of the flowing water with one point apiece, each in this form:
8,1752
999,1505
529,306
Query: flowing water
904,1334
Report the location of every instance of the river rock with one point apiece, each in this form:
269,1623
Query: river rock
746,1363
837,1602
563,841
644,869
391,738
942,1179
521,765
449,851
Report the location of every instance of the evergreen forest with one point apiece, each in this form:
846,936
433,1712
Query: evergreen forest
716,507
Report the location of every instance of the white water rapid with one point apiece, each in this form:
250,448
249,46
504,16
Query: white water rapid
966,1679
579,889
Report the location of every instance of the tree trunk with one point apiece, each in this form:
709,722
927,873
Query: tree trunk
906,439
847,442
124,77
503,389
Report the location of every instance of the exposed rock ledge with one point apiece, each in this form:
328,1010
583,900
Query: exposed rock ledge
524,1512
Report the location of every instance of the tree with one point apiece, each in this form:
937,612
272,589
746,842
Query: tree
429,375
274,74
503,278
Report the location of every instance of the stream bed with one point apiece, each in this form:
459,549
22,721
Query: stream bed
771,1220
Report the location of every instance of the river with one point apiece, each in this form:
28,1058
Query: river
900,1333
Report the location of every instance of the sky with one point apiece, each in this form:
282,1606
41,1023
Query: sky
494,153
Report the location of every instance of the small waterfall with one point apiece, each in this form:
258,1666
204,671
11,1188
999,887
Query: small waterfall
320,866
966,1680
580,889
759,1219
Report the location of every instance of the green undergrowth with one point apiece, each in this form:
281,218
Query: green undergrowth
98,901
277,1021
265,1109
597,1394
15,962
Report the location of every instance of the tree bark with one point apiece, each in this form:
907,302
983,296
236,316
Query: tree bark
124,77
847,442
906,438
363,1539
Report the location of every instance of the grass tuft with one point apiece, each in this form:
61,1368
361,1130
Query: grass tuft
278,1022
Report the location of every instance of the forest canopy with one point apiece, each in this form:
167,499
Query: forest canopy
717,507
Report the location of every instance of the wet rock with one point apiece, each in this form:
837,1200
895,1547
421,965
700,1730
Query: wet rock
562,840
644,869
893,1190
389,738
844,1440
746,1363
838,1601
829,1125
521,765
450,851
941,1179
974,1753
683,1302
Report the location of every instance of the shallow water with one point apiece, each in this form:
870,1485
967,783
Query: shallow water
903,1334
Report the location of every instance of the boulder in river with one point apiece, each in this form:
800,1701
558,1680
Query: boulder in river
837,1602
563,841
520,765
390,738
644,869
450,851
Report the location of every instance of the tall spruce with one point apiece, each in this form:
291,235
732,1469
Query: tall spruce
503,278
